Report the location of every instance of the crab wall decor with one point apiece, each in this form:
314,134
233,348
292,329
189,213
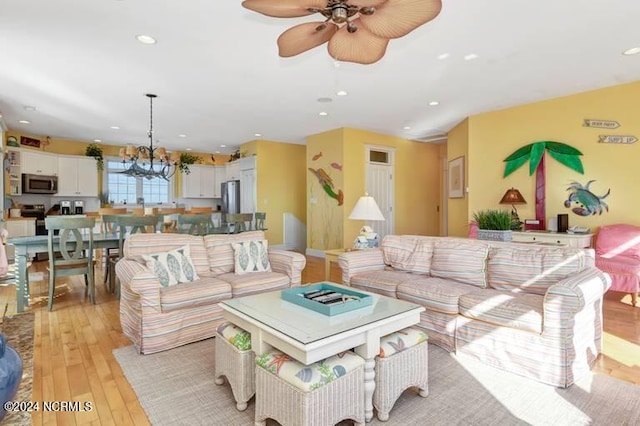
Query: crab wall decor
587,202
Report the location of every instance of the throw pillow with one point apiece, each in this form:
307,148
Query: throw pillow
172,267
251,256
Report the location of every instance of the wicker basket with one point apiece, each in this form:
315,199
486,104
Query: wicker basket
493,235
239,369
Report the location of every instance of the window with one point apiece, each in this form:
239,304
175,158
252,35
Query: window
126,189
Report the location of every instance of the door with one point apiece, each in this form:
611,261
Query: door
379,184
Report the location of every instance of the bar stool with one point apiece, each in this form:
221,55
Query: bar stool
320,394
236,361
403,362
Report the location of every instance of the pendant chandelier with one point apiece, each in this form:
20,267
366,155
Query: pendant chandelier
149,162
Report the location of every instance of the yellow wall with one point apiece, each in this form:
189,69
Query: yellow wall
416,177
457,211
281,183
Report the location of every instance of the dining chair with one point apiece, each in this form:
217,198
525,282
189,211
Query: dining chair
240,221
110,227
194,224
75,236
259,218
170,222
127,225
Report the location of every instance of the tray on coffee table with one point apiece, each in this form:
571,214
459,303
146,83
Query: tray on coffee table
337,299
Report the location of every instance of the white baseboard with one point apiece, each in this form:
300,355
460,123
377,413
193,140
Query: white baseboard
315,252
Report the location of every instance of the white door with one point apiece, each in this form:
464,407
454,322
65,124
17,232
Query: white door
379,184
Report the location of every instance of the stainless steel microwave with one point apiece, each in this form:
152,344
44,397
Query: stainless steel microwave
39,184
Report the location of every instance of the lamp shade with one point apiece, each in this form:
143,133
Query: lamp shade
512,196
366,209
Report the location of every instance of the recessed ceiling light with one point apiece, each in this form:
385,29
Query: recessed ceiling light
336,64
217,152
115,127
257,135
407,127
434,103
341,93
0,115
182,135
324,113
632,51
29,108
443,56
145,39
189,149
24,122
470,57
325,100
97,140
223,146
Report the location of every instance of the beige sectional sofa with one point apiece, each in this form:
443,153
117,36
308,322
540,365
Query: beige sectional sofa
157,318
530,309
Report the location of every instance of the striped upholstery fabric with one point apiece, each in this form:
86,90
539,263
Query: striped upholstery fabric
191,294
546,327
220,250
381,282
407,253
157,319
140,244
534,269
255,282
460,260
508,309
436,294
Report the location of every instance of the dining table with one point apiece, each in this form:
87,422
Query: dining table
27,247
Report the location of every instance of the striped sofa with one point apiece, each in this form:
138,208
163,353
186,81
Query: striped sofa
157,318
530,309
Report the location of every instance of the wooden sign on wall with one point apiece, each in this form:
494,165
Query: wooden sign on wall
602,124
617,139
29,142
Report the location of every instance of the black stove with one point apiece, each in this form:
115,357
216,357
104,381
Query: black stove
37,211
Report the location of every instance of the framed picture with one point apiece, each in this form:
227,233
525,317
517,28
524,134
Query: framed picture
456,178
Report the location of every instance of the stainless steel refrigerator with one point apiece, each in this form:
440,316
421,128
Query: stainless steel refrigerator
230,198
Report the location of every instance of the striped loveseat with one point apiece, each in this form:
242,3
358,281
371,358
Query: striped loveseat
530,309
157,318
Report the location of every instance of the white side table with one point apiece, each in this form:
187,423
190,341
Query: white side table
547,237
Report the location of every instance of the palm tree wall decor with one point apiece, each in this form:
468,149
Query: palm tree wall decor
534,153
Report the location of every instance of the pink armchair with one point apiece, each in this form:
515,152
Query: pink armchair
618,254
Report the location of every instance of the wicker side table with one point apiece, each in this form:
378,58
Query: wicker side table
399,372
239,369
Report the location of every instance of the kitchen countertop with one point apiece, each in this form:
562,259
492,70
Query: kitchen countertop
20,218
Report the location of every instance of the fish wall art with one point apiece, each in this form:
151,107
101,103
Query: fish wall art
327,184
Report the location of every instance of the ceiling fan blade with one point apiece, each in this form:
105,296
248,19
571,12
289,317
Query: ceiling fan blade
362,47
284,8
303,37
397,18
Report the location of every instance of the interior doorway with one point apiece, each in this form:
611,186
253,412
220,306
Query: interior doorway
379,184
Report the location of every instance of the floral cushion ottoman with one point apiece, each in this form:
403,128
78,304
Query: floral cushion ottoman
236,362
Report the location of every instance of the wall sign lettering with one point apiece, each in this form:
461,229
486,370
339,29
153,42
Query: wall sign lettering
617,139
603,124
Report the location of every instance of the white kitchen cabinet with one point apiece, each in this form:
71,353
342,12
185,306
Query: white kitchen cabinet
15,173
77,177
233,170
199,183
37,163
21,227
247,163
553,238
248,181
220,175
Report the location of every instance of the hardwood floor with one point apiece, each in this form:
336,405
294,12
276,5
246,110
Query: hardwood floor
73,345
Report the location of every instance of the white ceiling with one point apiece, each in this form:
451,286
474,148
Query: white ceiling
219,78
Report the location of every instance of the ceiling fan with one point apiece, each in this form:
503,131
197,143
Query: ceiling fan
356,30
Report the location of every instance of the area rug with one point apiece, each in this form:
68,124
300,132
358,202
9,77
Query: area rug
18,329
177,387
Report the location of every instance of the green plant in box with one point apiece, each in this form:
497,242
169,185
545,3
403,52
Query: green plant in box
187,159
95,151
499,220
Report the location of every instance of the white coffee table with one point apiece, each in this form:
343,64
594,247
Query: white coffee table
309,336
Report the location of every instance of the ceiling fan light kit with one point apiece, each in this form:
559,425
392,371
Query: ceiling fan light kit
354,30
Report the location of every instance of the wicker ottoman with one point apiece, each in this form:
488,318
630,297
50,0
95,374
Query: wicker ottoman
236,361
403,362
319,394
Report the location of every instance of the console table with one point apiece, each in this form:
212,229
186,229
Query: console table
547,237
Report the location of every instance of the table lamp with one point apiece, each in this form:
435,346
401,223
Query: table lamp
366,209
513,197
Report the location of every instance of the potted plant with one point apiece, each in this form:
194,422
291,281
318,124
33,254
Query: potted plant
494,225
185,160
95,151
